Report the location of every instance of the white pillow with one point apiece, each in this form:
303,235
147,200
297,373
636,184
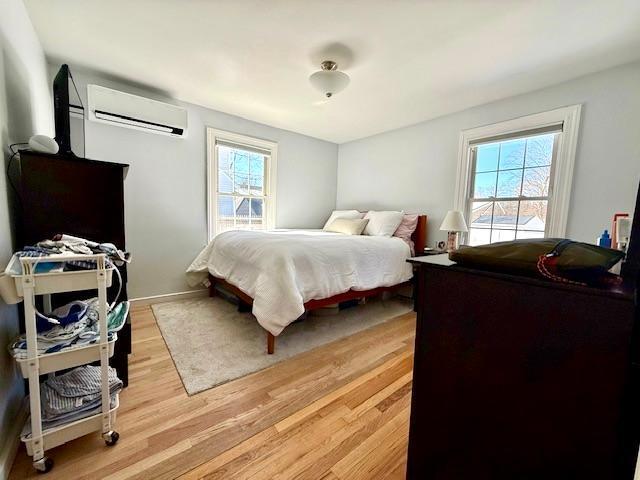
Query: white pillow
382,224
350,214
348,226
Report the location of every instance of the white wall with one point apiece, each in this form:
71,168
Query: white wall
165,207
25,109
414,168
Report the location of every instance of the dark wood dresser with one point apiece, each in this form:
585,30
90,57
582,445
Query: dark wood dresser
519,378
77,196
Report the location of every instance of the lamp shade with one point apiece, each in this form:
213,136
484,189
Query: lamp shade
454,222
329,82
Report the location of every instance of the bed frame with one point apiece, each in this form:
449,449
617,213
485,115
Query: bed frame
419,238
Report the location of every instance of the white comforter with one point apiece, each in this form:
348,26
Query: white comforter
283,269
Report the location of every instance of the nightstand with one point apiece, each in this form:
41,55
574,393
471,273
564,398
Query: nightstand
426,253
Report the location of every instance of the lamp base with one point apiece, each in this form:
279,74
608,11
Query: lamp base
452,241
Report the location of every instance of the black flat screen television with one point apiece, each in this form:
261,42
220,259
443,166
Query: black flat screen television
67,103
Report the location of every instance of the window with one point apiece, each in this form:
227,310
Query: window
510,193
514,178
241,182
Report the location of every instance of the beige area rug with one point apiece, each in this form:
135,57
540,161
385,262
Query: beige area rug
212,343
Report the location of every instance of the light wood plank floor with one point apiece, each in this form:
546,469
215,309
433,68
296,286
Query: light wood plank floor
338,412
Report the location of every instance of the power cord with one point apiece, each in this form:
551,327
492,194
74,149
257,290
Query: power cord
9,163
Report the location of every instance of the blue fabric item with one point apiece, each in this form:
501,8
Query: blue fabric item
47,267
43,324
56,348
41,267
69,313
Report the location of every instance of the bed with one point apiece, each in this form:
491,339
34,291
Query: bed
281,274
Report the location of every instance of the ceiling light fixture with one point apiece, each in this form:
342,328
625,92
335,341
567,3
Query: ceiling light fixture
329,80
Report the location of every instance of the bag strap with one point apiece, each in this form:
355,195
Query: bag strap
549,259
559,248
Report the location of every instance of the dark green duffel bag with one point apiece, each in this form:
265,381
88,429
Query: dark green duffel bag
553,258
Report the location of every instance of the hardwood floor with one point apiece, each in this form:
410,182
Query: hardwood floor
338,412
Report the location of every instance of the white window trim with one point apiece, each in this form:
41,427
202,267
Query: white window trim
214,135
559,189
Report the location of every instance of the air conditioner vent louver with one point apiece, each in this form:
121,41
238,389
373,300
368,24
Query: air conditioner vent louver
131,111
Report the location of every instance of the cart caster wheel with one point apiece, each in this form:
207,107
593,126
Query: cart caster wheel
111,438
44,465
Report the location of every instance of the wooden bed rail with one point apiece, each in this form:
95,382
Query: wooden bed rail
310,305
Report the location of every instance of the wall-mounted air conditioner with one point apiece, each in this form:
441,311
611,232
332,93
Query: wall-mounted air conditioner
131,111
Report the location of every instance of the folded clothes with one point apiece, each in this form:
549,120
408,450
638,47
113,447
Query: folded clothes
48,266
61,246
74,395
64,394
83,412
19,347
68,331
119,257
70,244
85,331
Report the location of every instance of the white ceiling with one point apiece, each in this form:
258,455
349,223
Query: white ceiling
409,60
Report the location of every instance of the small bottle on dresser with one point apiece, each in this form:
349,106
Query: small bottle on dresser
604,240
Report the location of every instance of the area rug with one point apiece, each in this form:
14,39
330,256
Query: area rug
212,343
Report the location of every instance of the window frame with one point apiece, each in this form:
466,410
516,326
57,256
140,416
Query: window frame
562,166
269,194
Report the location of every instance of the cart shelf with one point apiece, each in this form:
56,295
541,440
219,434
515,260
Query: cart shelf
55,436
67,358
57,282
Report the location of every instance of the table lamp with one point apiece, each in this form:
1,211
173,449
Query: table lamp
453,223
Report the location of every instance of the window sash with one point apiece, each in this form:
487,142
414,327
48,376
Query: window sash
470,198
236,217
266,168
473,151
265,194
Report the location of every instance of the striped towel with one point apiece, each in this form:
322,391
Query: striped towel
74,390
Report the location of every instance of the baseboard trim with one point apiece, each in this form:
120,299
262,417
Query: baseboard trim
8,453
169,297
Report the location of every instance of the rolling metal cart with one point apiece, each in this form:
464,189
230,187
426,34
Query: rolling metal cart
30,284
